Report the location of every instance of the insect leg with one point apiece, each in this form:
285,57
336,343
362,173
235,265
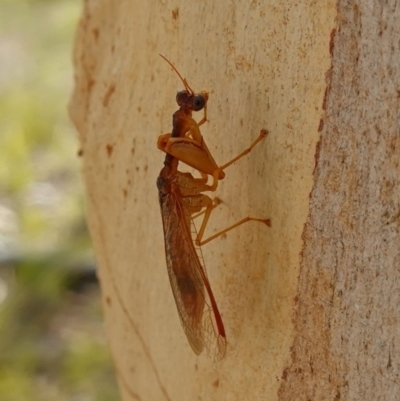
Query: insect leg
204,119
199,242
263,134
195,153
163,141
216,202
207,212
194,186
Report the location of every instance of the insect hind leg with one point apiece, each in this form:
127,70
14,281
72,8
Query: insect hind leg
199,242
216,202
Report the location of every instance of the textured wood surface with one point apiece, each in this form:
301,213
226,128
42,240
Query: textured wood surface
347,325
311,304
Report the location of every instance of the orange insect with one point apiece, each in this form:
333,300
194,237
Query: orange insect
181,199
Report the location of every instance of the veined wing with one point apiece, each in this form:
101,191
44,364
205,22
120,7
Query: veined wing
194,299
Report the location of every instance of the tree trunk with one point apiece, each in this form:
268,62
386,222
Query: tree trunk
311,304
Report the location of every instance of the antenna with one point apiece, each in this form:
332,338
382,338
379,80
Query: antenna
187,87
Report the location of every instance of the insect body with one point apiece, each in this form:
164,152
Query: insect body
195,301
182,199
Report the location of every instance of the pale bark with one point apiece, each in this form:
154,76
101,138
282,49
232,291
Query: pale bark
347,321
311,304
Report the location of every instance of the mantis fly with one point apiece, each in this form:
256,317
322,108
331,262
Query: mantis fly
181,200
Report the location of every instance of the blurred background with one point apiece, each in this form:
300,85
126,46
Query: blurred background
52,339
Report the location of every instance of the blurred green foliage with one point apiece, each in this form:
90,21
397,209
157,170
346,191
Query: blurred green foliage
38,164
52,342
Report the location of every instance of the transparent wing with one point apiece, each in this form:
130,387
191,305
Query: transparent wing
194,299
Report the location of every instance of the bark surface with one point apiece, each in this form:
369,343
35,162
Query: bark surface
311,304
347,318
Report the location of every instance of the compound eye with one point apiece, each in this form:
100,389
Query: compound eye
181,97
199,101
